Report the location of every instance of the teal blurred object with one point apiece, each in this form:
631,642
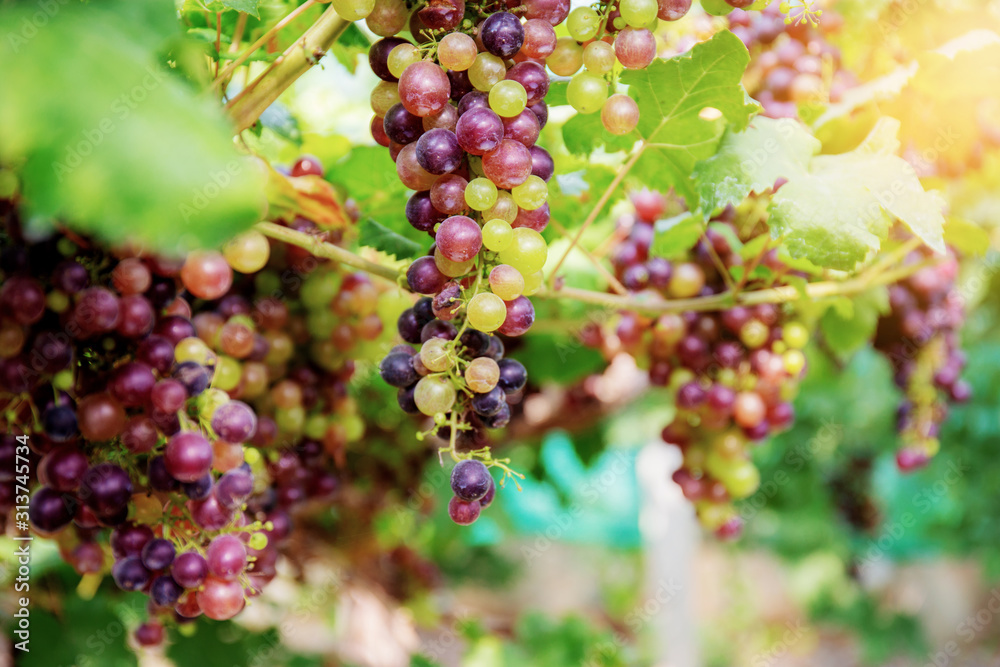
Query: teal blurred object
595,505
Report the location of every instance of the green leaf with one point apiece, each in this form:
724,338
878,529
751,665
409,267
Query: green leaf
351,44
966,237
557,94
837,213
676,236
114,145
560,359
248,6
846,329
585,132
685,103
752,160
380,237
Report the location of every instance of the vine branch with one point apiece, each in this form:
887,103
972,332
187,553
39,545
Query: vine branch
644,303
246,108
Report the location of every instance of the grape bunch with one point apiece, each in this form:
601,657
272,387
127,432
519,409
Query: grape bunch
920,338
459,378
791,64
733,372
178,410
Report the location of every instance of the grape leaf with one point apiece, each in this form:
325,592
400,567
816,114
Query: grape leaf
351,44
836,213
846,332
676,236
248,6
752,160
584,132
557,94
685,104
380,237
114,145
966,237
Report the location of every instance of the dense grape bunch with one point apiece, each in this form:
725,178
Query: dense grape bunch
920,338
791,65
178,409
733,372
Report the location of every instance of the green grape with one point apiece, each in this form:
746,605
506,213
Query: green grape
193,349
450,268
741,479
583,23
480,194
506,282
384,95
209,401
486,312
508,98
482,374
486,71
227,373
321,323
353,10
315,426
434,394
290,420
527,252
754,334
586,92
434,355
599,57
258,541
531,194
247,252
795,361
402,57
354,427
532,283
795,335
567,58
497,235
639,13
504,208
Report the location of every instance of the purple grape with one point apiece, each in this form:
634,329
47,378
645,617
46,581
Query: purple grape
160,478
209,513
423,276
500,419
50,511
420,212
502,34
470,479
438,151
200,488
129,540
164,591
690,396
188,456
193,376
157,352
533,78
106,489
513,375
234,422
479,131
543,166
97,310
541,110
438,329
487,499
463,512
402,126
397,370
64,468
59,422
158,554
174,328
404,397
409,326
189,569
378,57
490,403
473,100
234,487
132,384
137,316
520,317
226,556
70,277
130,574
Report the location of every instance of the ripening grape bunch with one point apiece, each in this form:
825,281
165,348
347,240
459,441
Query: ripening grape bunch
733,372
791,64
179,410
920,338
